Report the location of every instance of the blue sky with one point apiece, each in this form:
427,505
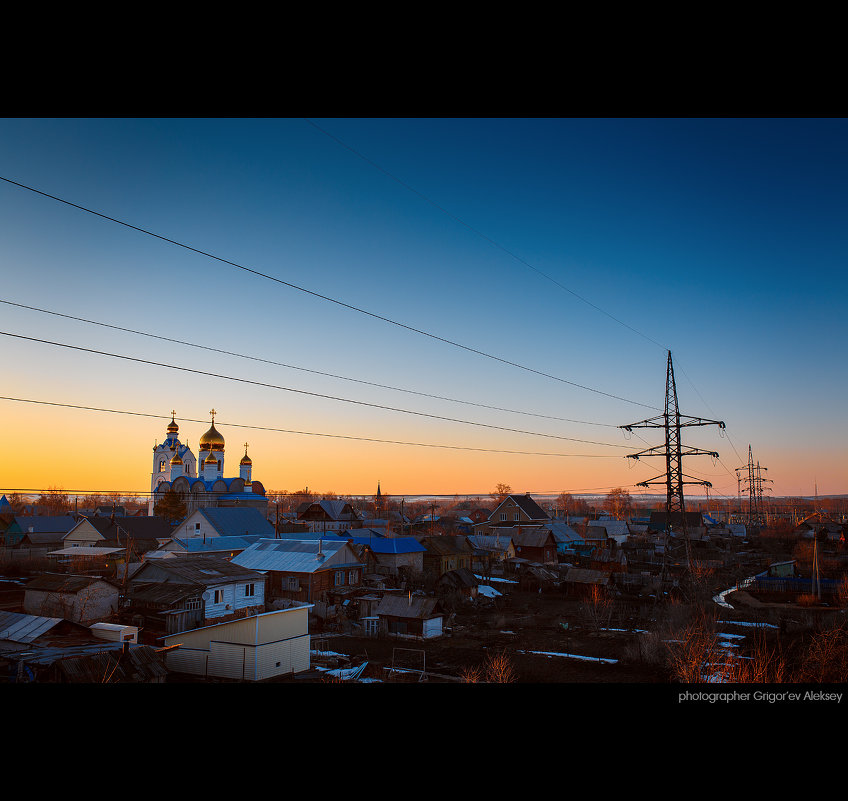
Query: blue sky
579,248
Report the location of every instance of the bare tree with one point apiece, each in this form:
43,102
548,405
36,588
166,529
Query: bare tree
597,609
498,669
500,492
619,503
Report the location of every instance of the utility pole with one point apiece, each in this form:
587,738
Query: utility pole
671,421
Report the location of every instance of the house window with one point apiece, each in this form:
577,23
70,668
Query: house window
219,596
194,603
351,577
249,590
339,578
503,516
515,516
197,528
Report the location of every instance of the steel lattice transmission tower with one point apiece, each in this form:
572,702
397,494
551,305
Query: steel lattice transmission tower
673,451
754,489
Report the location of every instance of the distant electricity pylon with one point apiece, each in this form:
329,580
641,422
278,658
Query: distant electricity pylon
673,450
754,489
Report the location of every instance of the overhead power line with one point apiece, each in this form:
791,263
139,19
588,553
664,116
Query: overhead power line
330,299
296,367
306,392
309,433
480,234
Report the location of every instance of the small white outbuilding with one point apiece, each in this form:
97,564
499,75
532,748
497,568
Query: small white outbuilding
253,648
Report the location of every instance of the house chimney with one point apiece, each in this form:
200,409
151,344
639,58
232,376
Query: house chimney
320,554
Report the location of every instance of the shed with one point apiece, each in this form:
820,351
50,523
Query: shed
82,599
415,616
256,648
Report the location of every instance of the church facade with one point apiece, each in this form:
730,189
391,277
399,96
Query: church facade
201,482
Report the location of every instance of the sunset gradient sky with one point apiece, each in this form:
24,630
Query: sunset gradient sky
540,266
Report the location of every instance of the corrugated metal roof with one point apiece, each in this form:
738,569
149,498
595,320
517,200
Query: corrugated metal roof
198,570
42,524
236,521
391,545
18,627
215,544
289,555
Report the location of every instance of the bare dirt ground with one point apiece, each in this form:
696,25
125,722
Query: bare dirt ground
541,635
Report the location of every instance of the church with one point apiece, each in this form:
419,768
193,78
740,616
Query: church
200,481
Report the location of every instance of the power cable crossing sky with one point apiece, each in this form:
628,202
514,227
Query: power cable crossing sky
616,220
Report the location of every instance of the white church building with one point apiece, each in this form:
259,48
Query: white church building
201,481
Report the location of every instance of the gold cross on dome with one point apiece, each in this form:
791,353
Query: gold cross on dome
213,415
173,412
245,447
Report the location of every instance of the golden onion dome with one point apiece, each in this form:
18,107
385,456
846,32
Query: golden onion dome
173,428
245,460
211,459
175,459
212,440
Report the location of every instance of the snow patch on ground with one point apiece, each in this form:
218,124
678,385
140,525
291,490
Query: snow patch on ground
572,656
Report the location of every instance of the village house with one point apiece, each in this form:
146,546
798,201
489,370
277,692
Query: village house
446,553
461,582
388,555
224,521
535,545
33,536
490,552
304,570
138,534
568,541
193,591
328,515
514,510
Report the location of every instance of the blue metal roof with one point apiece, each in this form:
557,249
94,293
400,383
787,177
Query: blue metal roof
238,521
391,544
216,544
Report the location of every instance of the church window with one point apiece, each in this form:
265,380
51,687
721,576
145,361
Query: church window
161,465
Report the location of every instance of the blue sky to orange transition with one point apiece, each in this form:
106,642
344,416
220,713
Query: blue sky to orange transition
523,280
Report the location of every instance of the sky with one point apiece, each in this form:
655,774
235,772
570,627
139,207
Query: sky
437,305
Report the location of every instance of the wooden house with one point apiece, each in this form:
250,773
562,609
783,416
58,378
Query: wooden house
195,591
535,544
461,581
136,534
328,516
490,551
36,535
387,555
414,616
446,553
304,570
